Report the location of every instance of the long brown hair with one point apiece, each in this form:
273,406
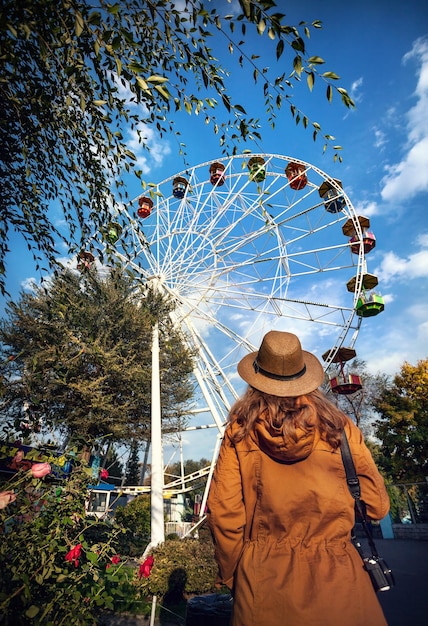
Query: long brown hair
288,414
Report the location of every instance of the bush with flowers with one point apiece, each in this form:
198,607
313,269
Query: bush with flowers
59,566
188,563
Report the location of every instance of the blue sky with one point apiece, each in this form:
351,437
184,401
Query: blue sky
379,48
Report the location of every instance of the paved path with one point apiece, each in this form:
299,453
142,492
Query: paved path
407,603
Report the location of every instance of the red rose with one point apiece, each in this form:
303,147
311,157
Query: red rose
39,470
104,473
115,560
146,567
74,554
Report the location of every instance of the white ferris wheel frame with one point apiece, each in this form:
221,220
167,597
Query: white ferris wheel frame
191,251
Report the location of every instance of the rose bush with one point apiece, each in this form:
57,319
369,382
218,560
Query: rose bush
54,558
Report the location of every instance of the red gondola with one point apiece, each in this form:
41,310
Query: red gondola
368,238
145,206
85,261
217,175
343,383
369,242
296,175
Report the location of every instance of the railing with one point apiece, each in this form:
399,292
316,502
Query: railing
177,528
409,503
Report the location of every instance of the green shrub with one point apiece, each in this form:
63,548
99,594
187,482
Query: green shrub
186,566
136,516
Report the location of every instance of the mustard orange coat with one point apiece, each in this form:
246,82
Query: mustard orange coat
281,517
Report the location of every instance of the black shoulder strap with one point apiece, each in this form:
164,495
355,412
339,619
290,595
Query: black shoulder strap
354,487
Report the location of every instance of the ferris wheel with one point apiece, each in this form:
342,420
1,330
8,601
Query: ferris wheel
242,245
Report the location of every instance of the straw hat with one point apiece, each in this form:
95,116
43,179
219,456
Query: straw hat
281,367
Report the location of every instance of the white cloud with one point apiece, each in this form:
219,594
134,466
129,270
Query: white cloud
398,344
422,240
409,177
355,92
29,284
380,138
366,208
150,151
394,267
143,141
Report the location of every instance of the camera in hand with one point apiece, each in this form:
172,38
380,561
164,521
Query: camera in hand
379,572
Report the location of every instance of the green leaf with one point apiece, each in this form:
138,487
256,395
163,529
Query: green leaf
113,9
329,93
99,103
246,5
79,24
330,75
157,79
310,80
92,557
12,30
144,86
297,64
316,60
136,67
279,48
261,26
130,154
163,92
32,611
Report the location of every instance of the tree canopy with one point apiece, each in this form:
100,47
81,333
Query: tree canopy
403,424
75,76
77,358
